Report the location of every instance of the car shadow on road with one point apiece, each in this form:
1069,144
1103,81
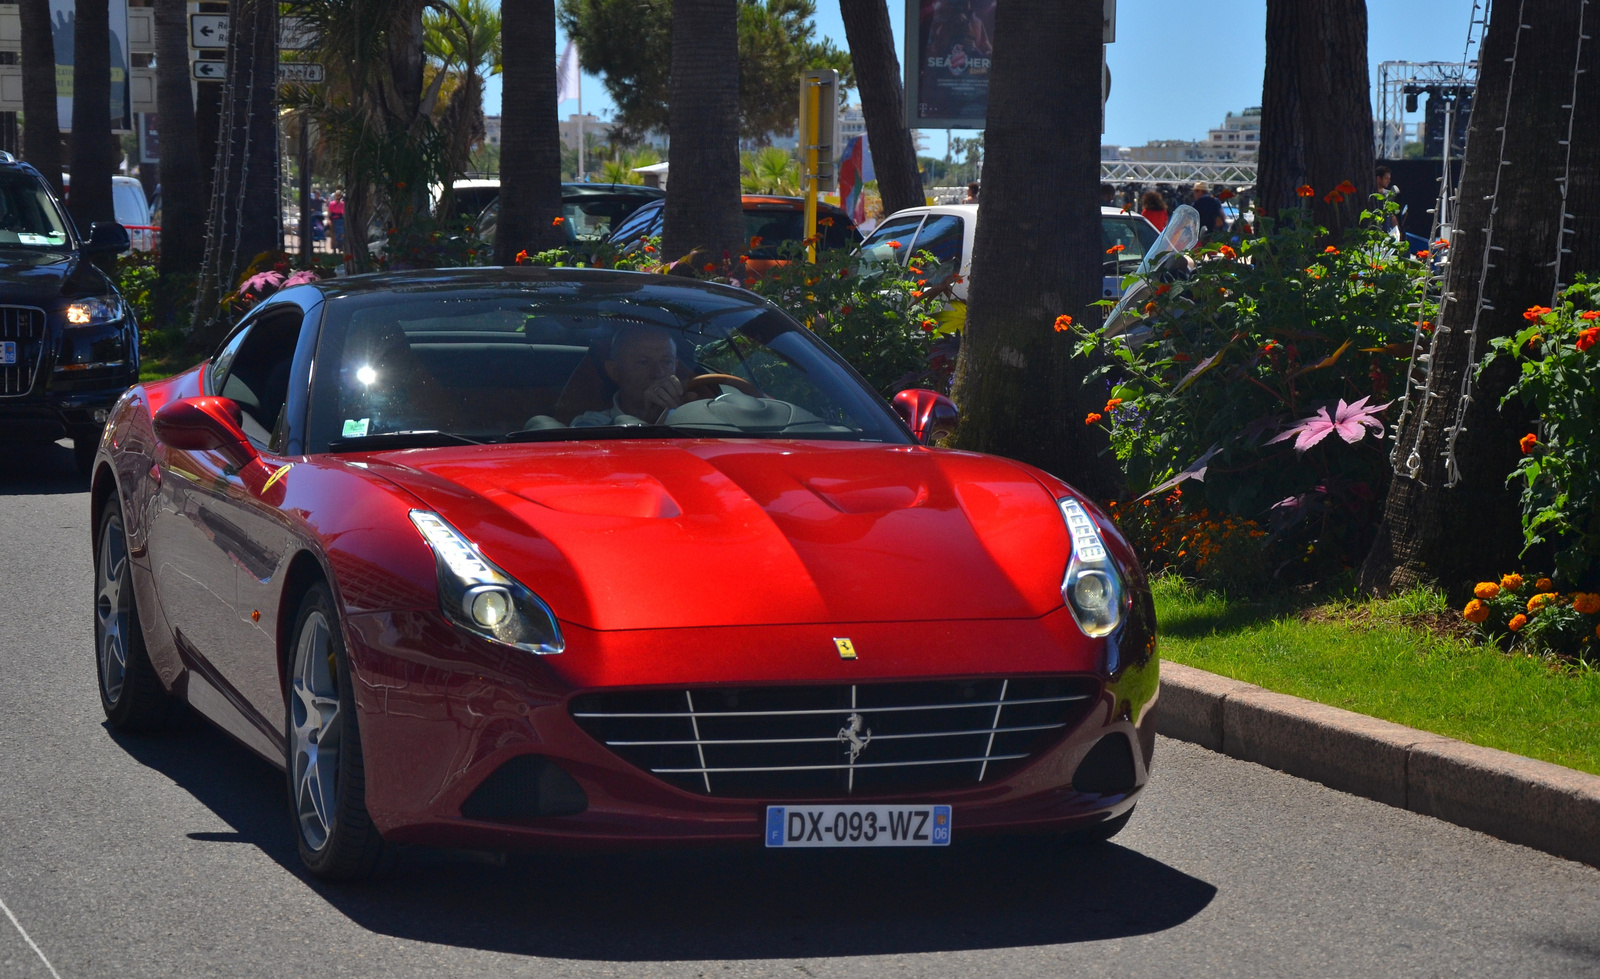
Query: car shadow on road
703,904
39,469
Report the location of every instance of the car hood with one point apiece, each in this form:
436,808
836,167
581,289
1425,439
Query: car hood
656,534
46,278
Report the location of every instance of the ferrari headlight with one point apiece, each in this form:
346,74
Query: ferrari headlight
88,312
483,599
1092,587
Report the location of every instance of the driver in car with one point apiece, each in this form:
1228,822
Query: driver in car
643,363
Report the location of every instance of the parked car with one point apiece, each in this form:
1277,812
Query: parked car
69,345
947,230
591,211
476,582
777,221
132,209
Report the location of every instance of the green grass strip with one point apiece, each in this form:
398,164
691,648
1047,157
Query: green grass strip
1382,658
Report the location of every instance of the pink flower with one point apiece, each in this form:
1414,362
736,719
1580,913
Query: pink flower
260,281
1350,421
300,278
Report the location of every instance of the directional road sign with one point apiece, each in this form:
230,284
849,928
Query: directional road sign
208,30
209,71
300,71
295,34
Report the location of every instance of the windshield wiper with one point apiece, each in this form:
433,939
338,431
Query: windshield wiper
414,439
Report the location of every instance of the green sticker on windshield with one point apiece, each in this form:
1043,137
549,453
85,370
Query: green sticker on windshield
355,428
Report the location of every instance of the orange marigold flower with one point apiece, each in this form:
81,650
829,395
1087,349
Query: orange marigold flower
1116,248
1534,312
1545,584
558,222
892,244
755,242
1590,314
1304,190
649,248
1517,622
1092,417
1486,589
1422,254
1151,307
825,222
1586,602
1540,601
928,325
522,256
1163,288
710,267
1528,442
1330,250
1112,405
1511,582
1063,323
1333,197
1346,187
1587,337
1475,612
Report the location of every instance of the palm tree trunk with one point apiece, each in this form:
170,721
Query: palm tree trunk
41,136
1037,256
703,209
530,134
183,210
94,149
894,156
1281,163
1336,107
1583,194
1470,531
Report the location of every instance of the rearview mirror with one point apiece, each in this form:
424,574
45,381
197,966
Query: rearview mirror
206,424
930,415
106,238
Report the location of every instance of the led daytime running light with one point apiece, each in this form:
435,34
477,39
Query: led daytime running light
1092,587
479,597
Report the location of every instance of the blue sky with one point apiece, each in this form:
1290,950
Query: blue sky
1179,66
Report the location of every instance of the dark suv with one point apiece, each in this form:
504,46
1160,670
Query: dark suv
69,345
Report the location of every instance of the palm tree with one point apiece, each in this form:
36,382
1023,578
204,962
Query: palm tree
41,137
183,211
464,42
769,170
1470,531
1037,256
703,209
530,135
94,149
877,68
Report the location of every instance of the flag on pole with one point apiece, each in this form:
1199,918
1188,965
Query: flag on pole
568,75
855,170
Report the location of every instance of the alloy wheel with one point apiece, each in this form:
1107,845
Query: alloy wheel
315,727
113,609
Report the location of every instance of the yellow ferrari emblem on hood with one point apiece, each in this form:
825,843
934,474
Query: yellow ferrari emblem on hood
847,649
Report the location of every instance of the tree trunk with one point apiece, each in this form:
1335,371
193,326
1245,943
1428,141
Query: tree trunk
41,137
94,149
877,67
530,134
182,211
1038,256
703,208
1281,161
1472,530
1335,107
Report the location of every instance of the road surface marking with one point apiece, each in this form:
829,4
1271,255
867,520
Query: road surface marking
24,933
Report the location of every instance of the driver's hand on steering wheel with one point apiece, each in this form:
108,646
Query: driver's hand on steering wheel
665,394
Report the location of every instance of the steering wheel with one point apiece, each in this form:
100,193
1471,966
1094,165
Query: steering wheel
705,386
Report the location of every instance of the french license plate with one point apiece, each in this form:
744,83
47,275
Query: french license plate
794,826
8,352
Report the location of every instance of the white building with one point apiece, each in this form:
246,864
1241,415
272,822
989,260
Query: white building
1239,139
491,128
852,122
594,128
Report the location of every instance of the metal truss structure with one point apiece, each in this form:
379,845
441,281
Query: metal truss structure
1234,175
1399,84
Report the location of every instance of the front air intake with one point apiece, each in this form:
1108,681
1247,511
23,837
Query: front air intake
525,787
1108,768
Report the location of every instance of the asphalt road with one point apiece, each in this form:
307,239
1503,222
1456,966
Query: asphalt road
172,856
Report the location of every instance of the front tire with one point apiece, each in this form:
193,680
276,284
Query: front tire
327,777
130,690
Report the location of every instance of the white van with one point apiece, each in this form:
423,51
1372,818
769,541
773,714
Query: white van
131,207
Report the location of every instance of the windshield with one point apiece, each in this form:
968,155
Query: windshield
28,217
560,360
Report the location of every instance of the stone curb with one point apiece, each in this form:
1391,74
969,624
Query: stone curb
1533,803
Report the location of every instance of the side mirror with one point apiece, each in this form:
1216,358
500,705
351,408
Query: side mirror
930,415
106,238
206,424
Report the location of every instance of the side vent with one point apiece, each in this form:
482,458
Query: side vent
526,787
1108,768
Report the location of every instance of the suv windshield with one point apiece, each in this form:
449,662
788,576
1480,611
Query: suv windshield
28,217
618,357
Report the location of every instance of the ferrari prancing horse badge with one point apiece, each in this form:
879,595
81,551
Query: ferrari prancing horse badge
847,649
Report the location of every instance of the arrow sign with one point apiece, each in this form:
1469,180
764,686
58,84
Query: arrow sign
208,30
301,71
209,71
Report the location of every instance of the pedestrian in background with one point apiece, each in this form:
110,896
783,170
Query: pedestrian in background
336,219
1108,195
972,193
1154,209
1209,207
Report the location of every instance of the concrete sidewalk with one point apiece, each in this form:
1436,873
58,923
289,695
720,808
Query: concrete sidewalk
1520,800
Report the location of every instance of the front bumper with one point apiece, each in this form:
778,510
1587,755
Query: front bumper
45,416
441,712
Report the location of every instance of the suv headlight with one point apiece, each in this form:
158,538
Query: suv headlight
89,312
1092,587
483,599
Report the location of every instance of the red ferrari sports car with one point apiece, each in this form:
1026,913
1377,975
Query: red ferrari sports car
501,558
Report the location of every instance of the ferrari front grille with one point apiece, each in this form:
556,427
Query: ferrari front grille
862,739
22,330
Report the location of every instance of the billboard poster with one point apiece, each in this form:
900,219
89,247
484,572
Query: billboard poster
949,52
62,28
